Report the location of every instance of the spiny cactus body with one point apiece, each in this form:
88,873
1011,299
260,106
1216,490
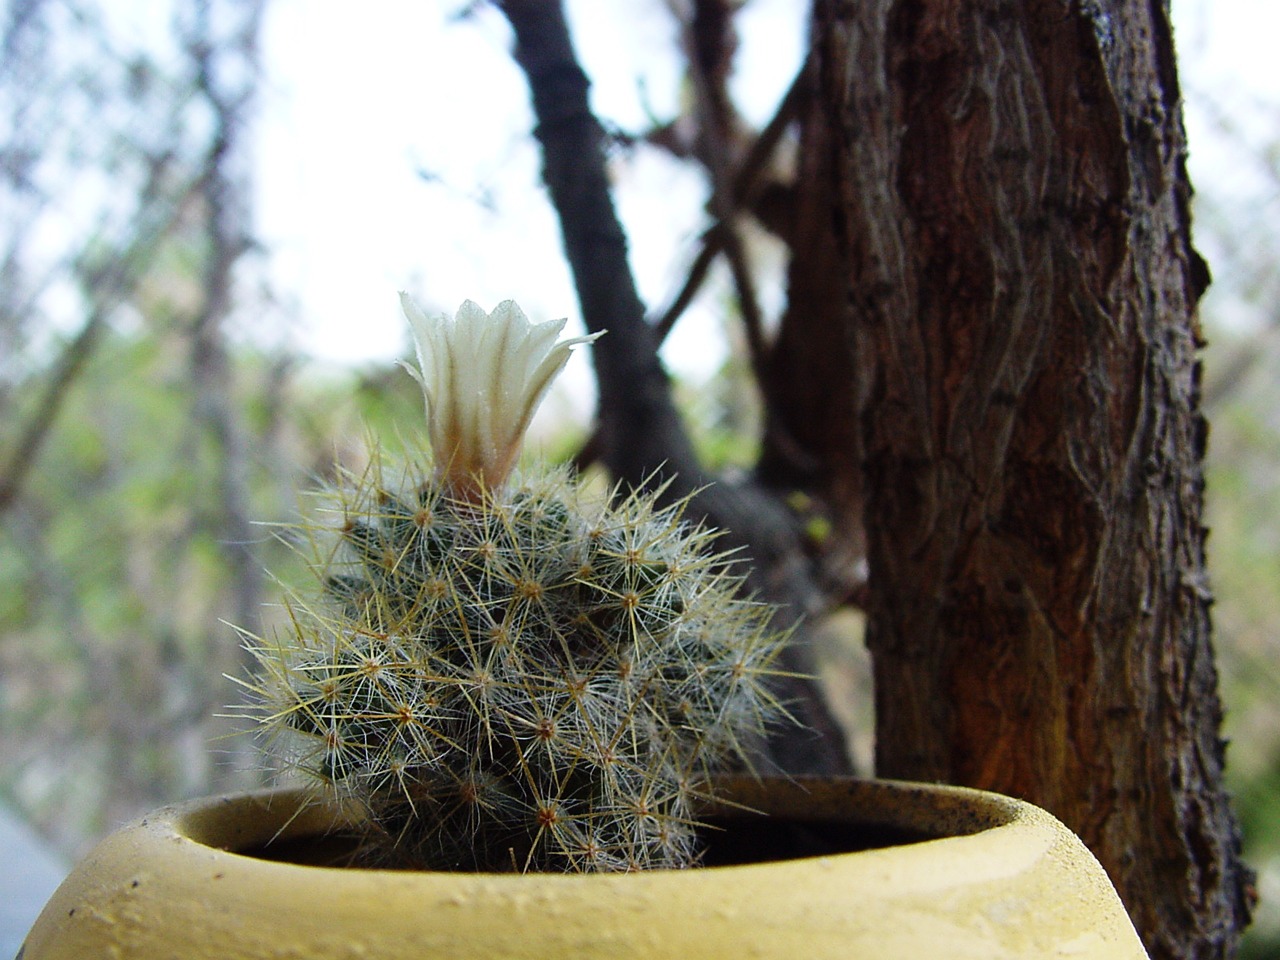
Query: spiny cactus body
515,675
518,682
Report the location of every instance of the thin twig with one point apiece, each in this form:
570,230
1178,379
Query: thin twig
709,40
712,243
745,188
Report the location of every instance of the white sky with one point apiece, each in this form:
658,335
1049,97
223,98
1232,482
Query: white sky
356,105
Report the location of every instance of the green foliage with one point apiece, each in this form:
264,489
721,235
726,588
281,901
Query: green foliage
116,573
534,681
1243,510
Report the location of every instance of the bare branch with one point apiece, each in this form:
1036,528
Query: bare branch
640,430
746,188
641,436
710,40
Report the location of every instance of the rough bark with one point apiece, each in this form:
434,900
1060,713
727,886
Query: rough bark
1015,223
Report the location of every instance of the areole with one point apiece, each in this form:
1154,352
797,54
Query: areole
838,868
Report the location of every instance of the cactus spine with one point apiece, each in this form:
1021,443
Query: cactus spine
505,672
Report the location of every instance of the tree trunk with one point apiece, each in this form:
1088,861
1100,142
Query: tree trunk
641,436
807,379
1013,212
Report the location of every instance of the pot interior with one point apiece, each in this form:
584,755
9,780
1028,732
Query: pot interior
745,839
733,836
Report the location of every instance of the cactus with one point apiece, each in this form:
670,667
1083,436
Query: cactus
504,671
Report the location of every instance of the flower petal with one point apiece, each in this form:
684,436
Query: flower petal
482,377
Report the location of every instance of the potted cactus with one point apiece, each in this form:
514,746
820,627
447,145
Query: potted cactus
498,679
502,672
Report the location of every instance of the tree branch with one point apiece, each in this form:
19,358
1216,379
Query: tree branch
641,436
746,187
639,426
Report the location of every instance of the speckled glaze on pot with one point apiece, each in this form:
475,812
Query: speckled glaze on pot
1001,879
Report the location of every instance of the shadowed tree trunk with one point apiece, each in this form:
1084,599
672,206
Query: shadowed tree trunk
810,435
1014,215
640,436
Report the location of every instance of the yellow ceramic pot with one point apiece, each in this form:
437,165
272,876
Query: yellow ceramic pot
949,873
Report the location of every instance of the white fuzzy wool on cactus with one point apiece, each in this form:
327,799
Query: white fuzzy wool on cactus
483,376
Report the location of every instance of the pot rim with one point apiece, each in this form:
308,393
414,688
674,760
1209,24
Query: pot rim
937,813
1007,881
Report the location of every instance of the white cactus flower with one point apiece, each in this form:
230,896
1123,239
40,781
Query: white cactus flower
482,376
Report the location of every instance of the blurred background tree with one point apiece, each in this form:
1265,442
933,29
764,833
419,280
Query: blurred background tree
156,401
124,485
